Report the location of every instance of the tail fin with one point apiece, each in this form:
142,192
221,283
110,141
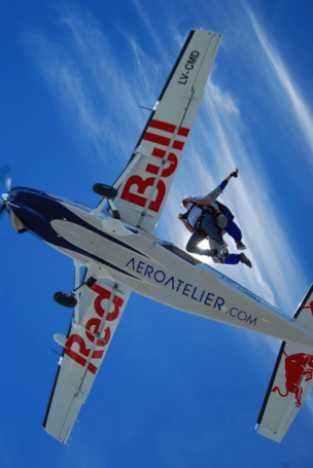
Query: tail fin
291,381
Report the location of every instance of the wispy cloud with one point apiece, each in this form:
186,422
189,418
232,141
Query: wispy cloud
223,100
220,144
65,79
91,83
101,95
225,145
151,30
300,109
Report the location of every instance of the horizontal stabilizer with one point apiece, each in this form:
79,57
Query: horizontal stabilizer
291,381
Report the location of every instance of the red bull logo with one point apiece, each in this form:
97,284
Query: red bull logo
297,367
310,307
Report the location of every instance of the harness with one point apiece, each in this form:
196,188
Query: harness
205,210
221,219
213,230
225,210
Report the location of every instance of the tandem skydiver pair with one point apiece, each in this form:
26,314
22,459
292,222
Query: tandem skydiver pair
207,218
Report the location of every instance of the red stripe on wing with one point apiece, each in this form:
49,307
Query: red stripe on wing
158,152
183,131
178,144
160,140
167,127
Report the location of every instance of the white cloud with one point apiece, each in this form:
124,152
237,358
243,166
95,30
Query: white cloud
215,152
219,145
152,31
94,86
91,83
223,101
300,109
81,71
66,80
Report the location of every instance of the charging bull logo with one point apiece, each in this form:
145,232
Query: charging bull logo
310,307
297,367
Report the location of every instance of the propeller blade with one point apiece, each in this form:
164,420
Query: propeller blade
2,208
5,177
8,183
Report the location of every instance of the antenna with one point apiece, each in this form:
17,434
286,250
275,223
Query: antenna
146,108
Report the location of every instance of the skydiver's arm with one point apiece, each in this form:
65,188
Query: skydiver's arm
212,196
227,179
188,226
185,223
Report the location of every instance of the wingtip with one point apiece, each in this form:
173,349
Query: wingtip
269,434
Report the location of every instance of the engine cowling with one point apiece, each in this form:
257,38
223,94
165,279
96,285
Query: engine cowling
18,225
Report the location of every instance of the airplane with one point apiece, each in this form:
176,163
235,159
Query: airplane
115,252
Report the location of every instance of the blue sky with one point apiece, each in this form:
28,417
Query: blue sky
174,390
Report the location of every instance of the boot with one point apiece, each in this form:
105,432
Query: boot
240,245
244,259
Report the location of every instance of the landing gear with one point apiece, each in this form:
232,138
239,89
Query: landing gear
69,299
106,191
65,300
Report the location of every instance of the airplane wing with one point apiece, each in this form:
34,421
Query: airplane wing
97,313
145,182
291,381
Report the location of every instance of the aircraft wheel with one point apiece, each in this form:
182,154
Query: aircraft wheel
65,300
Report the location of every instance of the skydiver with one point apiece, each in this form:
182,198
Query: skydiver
208,218
218,208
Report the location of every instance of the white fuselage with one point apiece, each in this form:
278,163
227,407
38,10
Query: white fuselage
150,267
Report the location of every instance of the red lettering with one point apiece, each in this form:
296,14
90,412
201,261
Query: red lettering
158,152
77,339
177,144
92,329
183,131
142,185
106,338
161,189
152,168
171,168
161,125
103,294
136,187
155,138
98,353
92,368
82,349
117,303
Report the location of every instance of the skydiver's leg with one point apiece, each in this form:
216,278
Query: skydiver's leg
234,259
234,231
192,244
208,225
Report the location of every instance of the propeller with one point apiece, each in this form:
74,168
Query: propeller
2,207
5,177
6,182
